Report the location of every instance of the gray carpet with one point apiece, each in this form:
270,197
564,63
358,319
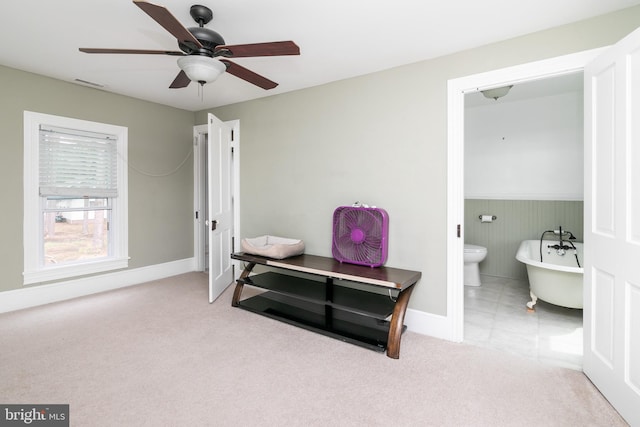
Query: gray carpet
159,354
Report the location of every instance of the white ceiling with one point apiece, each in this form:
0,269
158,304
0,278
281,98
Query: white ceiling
338,39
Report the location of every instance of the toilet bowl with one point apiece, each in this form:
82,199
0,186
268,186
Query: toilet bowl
473,256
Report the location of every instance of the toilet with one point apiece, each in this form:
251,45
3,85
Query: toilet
473,256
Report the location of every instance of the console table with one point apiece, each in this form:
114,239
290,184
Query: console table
369,314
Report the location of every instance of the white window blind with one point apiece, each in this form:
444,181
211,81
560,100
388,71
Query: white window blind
77,163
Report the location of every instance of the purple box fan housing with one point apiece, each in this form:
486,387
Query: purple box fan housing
360,235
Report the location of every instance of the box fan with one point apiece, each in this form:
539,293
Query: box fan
360,235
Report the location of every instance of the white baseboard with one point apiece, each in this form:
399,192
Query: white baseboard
38,295
425,323
417,321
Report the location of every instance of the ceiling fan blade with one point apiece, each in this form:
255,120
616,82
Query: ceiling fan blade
180,81
258,49
248,75
135,51
162,16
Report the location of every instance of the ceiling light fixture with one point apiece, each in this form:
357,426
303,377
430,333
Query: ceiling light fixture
201,69
496,93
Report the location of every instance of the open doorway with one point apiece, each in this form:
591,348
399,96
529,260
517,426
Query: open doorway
201,193
523,175
457,89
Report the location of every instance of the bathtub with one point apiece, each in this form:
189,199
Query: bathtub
557,279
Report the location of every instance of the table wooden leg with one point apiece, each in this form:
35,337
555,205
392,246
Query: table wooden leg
397,323
239,285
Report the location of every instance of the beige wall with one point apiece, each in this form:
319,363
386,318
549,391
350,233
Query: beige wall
160,209
380,139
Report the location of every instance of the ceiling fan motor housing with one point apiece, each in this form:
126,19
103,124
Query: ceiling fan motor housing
207,37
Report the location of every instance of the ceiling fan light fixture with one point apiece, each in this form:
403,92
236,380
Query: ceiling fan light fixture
496,93
201,69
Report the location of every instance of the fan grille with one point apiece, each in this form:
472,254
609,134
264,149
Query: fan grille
360,235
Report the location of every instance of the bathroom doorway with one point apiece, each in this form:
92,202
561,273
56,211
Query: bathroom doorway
458,88
523,167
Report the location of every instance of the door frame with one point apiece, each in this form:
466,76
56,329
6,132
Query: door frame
457,88
199,196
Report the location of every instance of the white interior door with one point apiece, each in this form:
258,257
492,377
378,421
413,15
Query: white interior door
220,206
612,226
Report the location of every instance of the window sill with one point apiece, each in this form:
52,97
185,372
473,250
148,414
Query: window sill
68,271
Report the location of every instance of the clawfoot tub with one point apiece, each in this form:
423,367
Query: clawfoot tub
557,279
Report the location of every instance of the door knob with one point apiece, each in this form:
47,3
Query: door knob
214,224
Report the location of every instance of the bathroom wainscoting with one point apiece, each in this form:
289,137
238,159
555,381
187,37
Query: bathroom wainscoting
516,220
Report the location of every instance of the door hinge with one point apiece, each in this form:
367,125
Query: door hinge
196,214
459,230
232,135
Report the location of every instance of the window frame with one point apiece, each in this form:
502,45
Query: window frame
35,271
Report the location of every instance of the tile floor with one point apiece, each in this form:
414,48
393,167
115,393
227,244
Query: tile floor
496,316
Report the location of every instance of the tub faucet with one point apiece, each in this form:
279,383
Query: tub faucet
562,232
562,248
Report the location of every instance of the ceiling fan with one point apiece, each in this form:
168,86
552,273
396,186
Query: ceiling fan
203,52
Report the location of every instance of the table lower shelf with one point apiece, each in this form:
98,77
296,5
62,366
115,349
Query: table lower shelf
368,319
343,325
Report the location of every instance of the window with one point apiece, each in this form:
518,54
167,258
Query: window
75,197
